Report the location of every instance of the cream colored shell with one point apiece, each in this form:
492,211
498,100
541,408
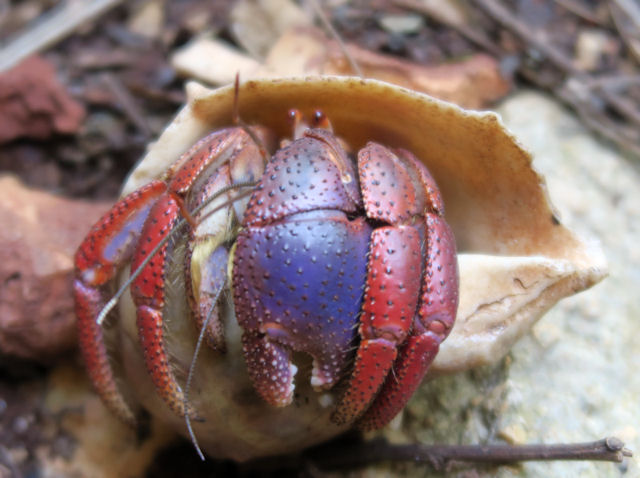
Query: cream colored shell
516,259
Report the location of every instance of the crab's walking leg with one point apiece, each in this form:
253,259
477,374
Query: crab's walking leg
390,196
399,191
391,293
207,256
107,247
436,315
148,289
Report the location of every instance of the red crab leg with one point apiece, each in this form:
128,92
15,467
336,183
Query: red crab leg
391,294
436,315
207,256
148,289
396,190
393,275
107,246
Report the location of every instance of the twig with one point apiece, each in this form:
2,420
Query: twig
52,28
626,18
127,103
626,138
499,13
439,456
5,8
631,10
579,10
614,82
473,35
350,453
575,88
327,24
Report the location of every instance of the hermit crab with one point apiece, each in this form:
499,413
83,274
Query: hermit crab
305,236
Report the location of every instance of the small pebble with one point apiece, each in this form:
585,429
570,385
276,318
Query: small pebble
402,24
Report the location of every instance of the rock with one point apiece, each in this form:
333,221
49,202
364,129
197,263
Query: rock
55,426
574,378
37,241
34,104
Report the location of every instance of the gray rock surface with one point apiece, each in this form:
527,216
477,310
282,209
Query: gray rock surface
573,378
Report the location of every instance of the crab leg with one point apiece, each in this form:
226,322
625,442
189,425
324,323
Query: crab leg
391,294
108,246
436,315
393,275
393,281
207,256
148,289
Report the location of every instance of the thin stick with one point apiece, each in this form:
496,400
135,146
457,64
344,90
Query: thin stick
575,83
476,36
349,452
608,449
505,18
626,19
127,103
52,28
108,307
327,24
579,10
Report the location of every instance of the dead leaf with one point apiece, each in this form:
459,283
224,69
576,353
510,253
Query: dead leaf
473,82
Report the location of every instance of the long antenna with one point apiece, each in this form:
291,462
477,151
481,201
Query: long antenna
192,367
235,117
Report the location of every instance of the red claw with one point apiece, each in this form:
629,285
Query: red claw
391,295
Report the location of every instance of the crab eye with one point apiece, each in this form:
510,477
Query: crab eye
294,116
320,119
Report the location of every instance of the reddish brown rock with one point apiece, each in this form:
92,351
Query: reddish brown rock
34,104
38,238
